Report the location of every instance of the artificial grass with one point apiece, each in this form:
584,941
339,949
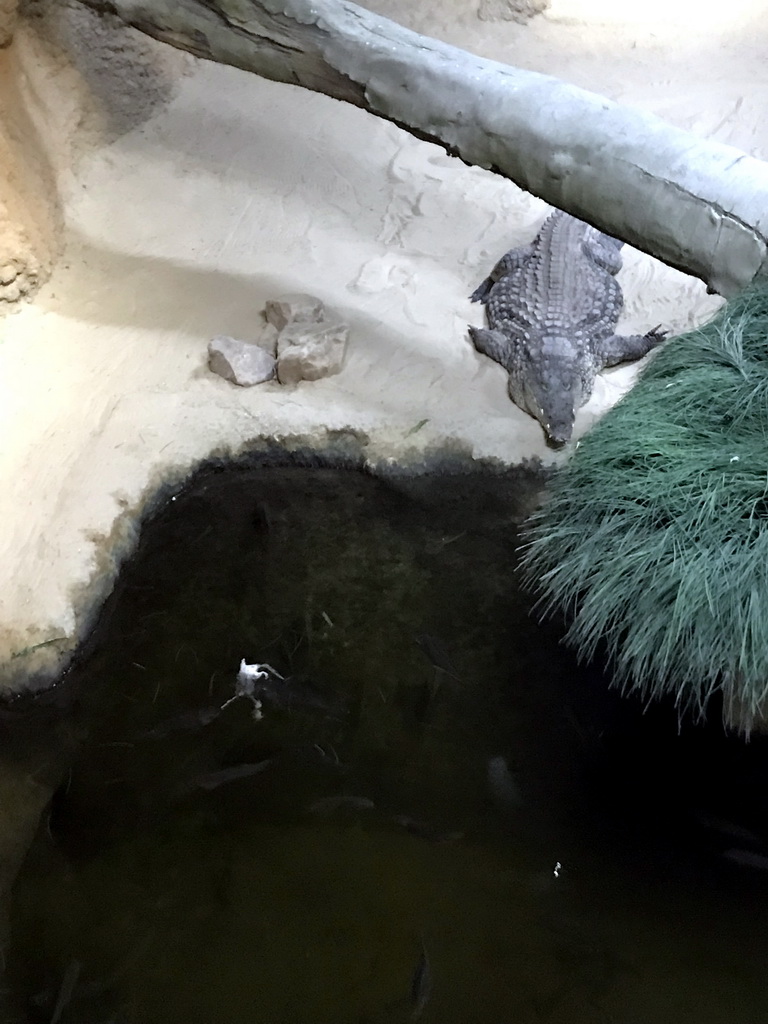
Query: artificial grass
654,537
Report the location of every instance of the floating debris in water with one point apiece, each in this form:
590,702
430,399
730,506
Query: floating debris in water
558,868
415,429
245,685
261,682
212,780
329,804
248,675
436,545
426,830
421,984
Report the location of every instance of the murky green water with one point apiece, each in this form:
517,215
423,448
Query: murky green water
555,853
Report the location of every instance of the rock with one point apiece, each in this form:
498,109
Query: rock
242,362
511,10
296,308
309,351
267,339
308,347
8,15
8,273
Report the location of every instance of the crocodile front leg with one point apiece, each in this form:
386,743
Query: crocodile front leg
625,348
509,262
494,344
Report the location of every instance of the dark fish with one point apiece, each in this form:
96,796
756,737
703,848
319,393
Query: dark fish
66,990
437,654
329,804
747,858
729,829
262,518
502,783
421,985
212,780
194,719
293,693
425,830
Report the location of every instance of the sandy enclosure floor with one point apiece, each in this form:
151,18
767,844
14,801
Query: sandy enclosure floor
186,214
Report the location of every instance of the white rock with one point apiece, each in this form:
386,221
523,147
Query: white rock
242,362
309,351
8,273
294,308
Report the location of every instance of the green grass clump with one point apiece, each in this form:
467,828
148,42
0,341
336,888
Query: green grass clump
654,537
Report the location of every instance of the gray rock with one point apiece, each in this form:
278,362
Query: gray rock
294,308
241,362
511,10
309,351
267,338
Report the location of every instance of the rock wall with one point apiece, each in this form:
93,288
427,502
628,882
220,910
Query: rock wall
9,10
30,215
69,79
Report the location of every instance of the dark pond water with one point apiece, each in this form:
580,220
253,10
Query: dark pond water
450,820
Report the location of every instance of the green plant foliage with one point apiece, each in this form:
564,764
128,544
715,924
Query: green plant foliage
654,537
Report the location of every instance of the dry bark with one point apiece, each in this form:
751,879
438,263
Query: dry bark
697,205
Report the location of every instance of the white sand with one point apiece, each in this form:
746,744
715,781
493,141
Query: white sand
204,200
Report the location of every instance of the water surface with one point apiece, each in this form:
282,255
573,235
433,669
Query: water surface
438,777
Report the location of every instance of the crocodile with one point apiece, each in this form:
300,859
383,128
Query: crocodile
552,309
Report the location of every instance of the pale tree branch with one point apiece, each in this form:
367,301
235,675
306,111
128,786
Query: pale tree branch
696,204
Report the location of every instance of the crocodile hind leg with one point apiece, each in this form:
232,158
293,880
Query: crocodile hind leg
626,348
493,344
605,251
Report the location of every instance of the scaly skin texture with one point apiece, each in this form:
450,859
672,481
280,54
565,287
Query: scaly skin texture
552,310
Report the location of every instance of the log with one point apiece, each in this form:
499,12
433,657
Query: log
695,204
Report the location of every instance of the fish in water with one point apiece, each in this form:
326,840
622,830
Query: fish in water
426,830
329,804
66,990
747,858
502,783
194,719
212,780
295,693
421,984
728,829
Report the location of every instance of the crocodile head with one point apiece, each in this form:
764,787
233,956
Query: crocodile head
552,391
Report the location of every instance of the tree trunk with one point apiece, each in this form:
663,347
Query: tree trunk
697,205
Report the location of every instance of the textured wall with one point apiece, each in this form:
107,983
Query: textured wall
29,207
8,11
